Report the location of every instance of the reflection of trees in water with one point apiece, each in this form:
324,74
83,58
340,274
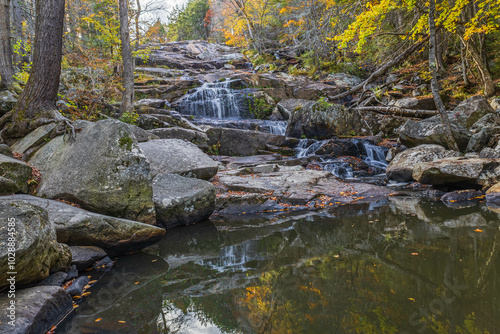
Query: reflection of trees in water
357,274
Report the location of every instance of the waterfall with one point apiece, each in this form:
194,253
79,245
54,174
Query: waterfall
308,147
372,155
215,100
375,155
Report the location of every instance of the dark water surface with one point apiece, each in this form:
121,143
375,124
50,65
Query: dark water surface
403,265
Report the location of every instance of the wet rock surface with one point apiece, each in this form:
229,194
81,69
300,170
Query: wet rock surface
37,309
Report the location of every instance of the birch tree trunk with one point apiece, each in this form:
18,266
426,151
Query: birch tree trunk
128,62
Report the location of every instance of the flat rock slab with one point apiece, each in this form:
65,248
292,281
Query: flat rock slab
32,139
37,309
176,156
251,160
300,187
182,201
78,227
198,138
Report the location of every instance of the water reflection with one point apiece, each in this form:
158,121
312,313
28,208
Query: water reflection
406,266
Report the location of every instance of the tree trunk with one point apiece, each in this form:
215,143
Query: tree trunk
6,69
36,105
464,65
128,63
137,30
452,144
489,86
17,27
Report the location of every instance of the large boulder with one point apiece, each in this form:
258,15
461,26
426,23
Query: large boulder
182,201
401,167
470,111
322,120
198,138
458,172
14,175
480,139
103,170
239,142
78,227
176,156
37,310
431,131
25,230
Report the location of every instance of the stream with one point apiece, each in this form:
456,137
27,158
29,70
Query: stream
404,264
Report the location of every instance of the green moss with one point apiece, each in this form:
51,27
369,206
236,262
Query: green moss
126,142
259,107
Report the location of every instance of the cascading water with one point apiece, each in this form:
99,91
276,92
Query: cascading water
214,100
219,104
371,155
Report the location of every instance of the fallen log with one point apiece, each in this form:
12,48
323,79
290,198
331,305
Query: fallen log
399,111
382,70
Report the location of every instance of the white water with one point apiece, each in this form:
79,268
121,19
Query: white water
216,100
372,155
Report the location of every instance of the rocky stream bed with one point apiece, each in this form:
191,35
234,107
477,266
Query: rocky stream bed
201,217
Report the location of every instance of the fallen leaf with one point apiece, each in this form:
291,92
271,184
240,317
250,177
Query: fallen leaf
414,254
121,321
136,283
413,300
478,230
97,320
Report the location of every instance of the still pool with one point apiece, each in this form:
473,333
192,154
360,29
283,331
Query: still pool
403,265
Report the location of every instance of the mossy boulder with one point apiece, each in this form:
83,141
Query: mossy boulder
103,170
323,120
37,252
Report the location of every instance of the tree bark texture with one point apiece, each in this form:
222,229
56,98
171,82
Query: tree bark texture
36,105
17,28
6,69
128,62
137,30
452,144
